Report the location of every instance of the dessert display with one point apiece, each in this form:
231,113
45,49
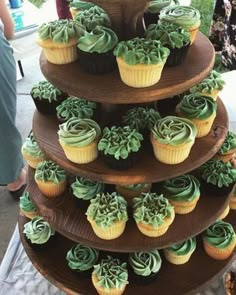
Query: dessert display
27,206
228,148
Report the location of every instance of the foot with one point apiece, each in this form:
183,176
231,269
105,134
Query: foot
21,181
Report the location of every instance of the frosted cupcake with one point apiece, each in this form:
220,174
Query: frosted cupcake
172,139
58,40
27,206
232,201
79,139
82,258
228,148
76,6
153,214
183,193
180,253
201,110
107,214
210,86
219,240
110,276
187,17
145,266
51,179
75,107
31,151
140,61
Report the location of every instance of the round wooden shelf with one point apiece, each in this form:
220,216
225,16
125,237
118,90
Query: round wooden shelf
69,219
110,89
188,278
147,169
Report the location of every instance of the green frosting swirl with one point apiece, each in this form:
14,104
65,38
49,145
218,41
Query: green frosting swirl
151,208
119,142
195,106
92,17
38,231
26,204
140,118
107,208
169,34
220,234
145,263
78,132
76,107
212,82
183,248
80,5
218,173
137,186
81,257
60,31
185,16
174,130
31,147
86,189
49,171
99,40
182,188
143,51
45,90
155,6
229,143
111,273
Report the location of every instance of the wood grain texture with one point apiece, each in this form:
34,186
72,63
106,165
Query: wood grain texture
67,216
110,89
190,278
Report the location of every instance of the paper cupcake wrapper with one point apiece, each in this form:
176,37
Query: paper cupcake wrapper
30,215
232,203
50,189
204,126
139,75
32,161
213,94
169,154
177,259
110,233
224,213
193,32
219,254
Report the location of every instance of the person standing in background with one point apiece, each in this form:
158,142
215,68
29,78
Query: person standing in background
63,10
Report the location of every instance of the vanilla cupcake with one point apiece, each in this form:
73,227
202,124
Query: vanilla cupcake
27,206
76,6
153,214
219,240
107,214
228,148
58,40
51,179
172,139
79,140
86,189
180,253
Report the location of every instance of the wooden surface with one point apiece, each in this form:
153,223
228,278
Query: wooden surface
68,217
194,276
110,89
147,169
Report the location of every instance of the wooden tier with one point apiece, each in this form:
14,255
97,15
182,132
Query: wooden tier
67,215
147,169
190,278
110,89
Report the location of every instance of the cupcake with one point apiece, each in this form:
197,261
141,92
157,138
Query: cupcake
140,61
107,214
31,151
86,189
75,107
218,178
201,110
145,266
172,139
210,86
232,201
153,214
38,232
76,6
183,193
46,97
110,276
51,179
79,140
58,40
82,258
120,146
224,213
180,253
187,17
228,148
96,50
172,36
219,240
27,206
